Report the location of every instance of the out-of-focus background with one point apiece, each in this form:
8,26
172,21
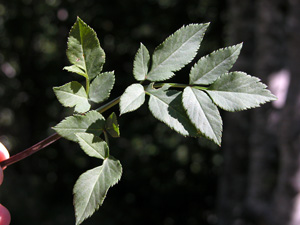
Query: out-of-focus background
253,179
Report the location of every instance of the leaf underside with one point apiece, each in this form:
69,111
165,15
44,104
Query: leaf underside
141,63
203,113
73,94
92,122
237,91
132,98
166,106
91,188
92,145
210,67
176,51
101,87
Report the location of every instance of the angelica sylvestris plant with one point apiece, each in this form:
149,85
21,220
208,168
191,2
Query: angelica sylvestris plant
190,109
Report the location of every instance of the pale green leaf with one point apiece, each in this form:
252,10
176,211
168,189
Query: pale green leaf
92,122
132,98
203,113
238,91
141,63
93,145
210,67
112,126
75,69
84,49
166,106
92,186
73,94
176,51
101,86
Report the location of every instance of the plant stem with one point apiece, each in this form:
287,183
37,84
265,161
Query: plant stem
29,151
49,140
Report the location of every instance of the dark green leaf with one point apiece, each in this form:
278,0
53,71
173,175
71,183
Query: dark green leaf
112,126
84,49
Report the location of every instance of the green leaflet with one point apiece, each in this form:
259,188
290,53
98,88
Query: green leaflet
101,86
84,50
132,98
176,51
92,122
141,63
73,94
92,145
238,91
203,113
166,106
91,188
75,69
112,126
210,67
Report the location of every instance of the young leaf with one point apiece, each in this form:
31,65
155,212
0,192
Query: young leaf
91,188
73,94
166,106
238,91
92,145
210,67
132,98
176,51
101,86
203,113
141,63
92,122
112,126
84,49
75,69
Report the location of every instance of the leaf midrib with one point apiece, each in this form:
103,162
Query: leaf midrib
216,66
159,65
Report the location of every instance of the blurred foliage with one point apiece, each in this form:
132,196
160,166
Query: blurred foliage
168,179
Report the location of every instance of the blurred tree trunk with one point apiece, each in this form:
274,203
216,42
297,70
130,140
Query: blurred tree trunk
247,185
233,182
287,204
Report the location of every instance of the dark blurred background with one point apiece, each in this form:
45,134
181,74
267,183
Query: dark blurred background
253,179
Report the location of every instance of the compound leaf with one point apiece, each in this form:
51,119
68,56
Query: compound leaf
166,106
132,98
84,49
176,51
141,63
210,67
112,126
101,86
91,188
203,113
73,94
92,145
238,91
92,122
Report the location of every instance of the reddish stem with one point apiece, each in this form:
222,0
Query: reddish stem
29,151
